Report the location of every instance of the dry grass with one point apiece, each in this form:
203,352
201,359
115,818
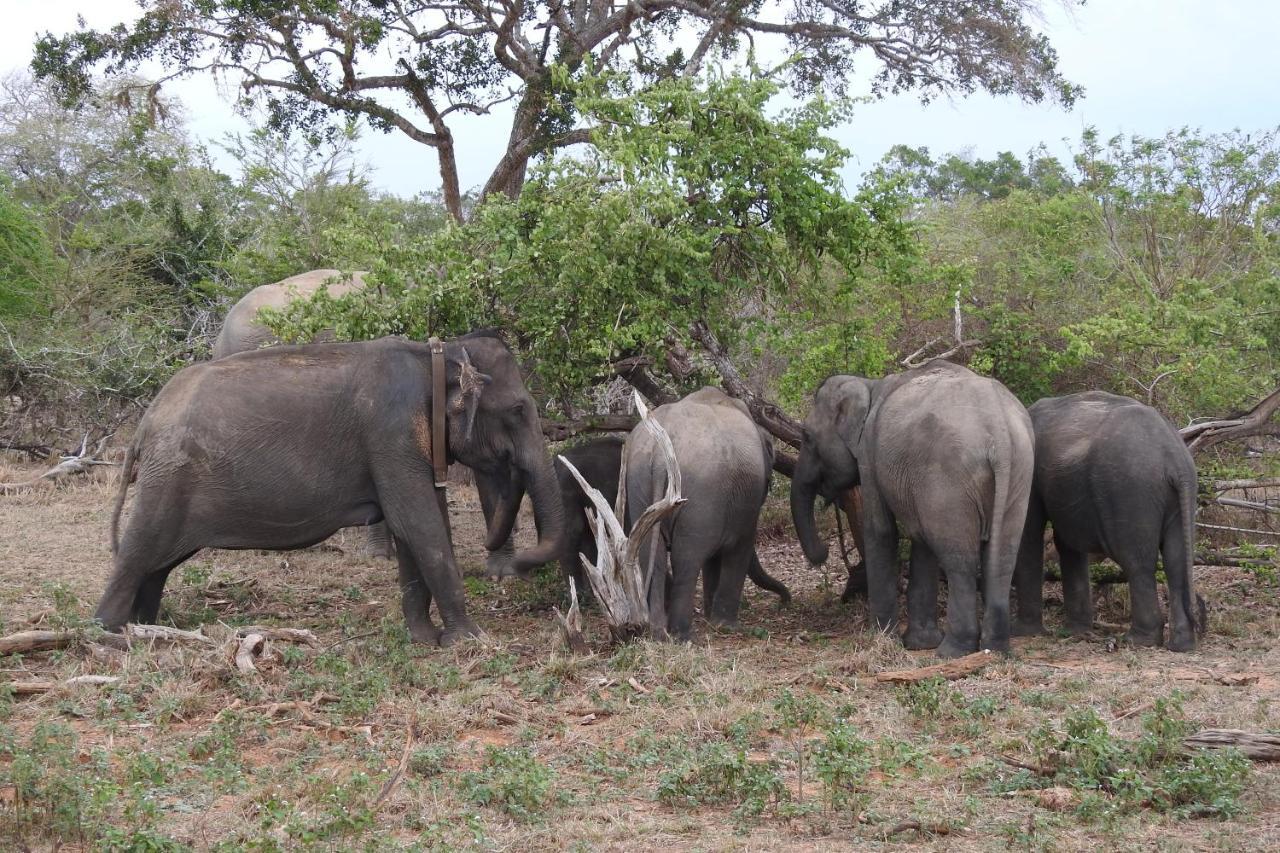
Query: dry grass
184,749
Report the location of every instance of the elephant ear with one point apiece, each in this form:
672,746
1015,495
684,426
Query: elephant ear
853,412
464,397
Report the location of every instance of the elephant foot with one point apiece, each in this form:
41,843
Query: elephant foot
1139,637
725,625
952,647
1182,641
1079,628
376,552
424,634
1028,628
500,564
856,585
924,637
462,631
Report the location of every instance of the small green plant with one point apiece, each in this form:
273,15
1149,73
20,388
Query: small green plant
512,780
719,774
429,761
1152,772
797,715
841,763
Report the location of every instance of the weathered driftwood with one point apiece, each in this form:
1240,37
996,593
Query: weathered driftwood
1256,421
950,670
282,635
78,463
571,623
1233,485
245,650
163,633
1259,746
621,585
32,688
25,642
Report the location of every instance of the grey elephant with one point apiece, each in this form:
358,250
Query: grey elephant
279,447
241,328
944,453
599,462
725,463
1114,478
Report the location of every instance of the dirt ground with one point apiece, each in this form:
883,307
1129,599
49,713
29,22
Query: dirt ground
366,741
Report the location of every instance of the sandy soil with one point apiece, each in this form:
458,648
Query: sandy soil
184,748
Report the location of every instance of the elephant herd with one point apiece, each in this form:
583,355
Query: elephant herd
279,447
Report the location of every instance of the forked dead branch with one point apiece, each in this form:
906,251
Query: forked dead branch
620,583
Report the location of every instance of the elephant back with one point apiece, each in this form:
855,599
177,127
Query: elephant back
241,329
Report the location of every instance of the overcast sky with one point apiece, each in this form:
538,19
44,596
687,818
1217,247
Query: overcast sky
1147,66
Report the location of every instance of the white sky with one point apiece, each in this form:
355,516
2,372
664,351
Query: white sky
1147,66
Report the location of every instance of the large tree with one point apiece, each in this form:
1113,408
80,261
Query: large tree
415,65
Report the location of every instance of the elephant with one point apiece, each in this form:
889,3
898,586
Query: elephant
599,461
241,331
1114,478
948,455
725,463
240,328
279,447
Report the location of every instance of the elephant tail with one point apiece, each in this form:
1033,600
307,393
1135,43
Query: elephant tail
126,475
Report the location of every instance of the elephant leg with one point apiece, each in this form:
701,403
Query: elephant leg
1146,623
148,552
962,604
685,569
732,568
146,604
880,533
1077,593
1182,625
415,599
999,560
1028,574
922,599
418,517
377,541
710,583
654,559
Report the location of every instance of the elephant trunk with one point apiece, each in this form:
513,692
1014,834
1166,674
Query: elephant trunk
548,511
804,491
504,507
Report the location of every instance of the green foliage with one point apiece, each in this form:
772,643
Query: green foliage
1153,772
513,780
841,762
718,774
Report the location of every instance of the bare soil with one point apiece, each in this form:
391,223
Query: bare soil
184,750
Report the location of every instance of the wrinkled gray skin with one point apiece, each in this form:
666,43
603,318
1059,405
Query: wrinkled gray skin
1114,478
725,462
242,332
944,453
280,447
599,462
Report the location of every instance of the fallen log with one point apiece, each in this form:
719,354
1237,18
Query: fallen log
1259,746
32,688
79,463
950,670
24,642
281,635
164,633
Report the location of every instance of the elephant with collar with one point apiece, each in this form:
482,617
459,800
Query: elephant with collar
947,455
280,447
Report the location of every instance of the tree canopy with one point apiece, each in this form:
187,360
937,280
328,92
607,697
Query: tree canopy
413,66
